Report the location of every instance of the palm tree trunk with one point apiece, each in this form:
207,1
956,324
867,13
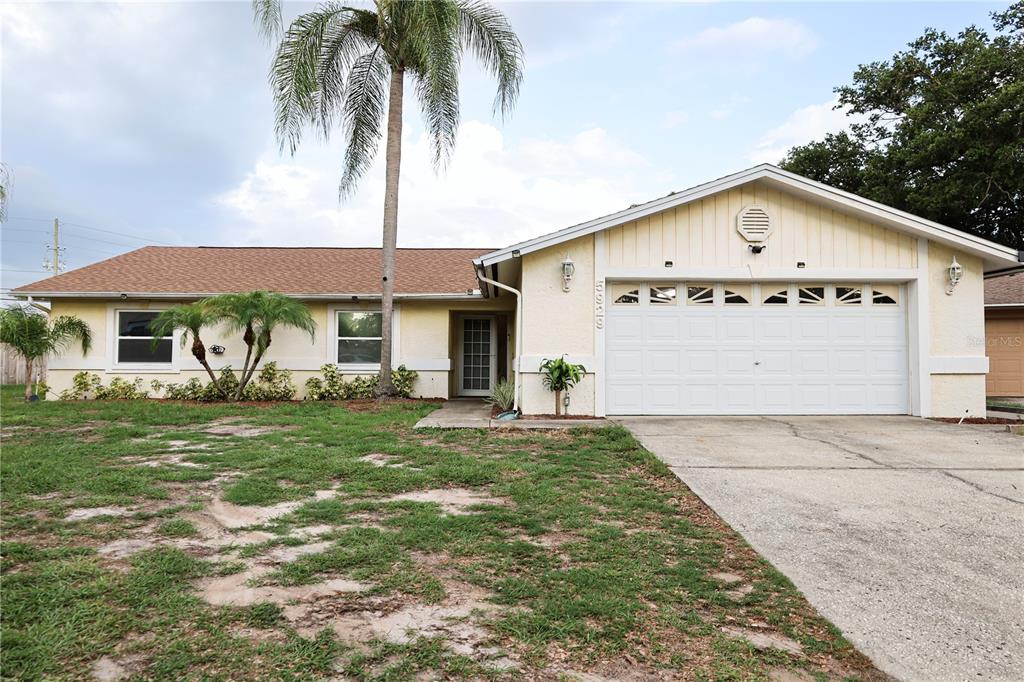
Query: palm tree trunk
28,378
199,352
246,378
558,403
385,388
250,338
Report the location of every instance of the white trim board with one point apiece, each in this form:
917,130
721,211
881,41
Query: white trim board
996,255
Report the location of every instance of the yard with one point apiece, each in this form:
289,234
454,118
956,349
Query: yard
175,541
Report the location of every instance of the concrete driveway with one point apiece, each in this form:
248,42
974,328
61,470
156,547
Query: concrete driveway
907,534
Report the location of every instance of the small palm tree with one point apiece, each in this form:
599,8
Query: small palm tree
190,318
344,66
258,313
33,337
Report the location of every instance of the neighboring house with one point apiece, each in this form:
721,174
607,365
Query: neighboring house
762,292
1004,334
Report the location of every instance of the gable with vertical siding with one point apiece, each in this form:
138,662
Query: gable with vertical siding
703,233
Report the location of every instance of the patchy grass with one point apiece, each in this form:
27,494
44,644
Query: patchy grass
491,555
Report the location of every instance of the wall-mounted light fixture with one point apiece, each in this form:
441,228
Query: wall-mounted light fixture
956,273
568,270
217,350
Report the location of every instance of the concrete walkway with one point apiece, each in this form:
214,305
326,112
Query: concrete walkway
908,534
458,413
472,413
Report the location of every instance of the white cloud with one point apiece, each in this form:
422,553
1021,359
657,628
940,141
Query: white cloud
492,194
802,126
754,37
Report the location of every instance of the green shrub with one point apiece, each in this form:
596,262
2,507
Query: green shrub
85,386
270,384
334,387
503,395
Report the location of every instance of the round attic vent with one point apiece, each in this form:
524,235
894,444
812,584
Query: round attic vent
754,223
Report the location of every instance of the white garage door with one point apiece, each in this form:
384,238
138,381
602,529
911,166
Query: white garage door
756,349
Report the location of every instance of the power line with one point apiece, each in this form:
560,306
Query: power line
96,229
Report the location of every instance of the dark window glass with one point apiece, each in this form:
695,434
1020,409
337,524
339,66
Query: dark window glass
134,323
359,324
358,352
141,350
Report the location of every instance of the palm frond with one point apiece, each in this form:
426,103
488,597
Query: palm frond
366,99
293,74
266,14
435,60
68,328
350,34
487,33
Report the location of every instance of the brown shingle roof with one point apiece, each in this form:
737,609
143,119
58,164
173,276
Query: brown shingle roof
313,271
1005,289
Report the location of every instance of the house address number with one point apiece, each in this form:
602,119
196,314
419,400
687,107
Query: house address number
599,305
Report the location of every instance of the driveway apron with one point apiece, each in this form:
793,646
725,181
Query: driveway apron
907,534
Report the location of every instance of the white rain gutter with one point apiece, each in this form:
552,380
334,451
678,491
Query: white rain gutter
519,330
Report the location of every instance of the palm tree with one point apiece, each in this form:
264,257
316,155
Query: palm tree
6,180
258,313
190,318
344,66
33,337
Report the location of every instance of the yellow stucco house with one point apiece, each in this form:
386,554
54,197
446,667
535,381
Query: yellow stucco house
761,292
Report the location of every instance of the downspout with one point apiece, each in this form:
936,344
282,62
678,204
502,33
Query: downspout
519,328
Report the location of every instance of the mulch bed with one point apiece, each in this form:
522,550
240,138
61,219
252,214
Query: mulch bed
977,420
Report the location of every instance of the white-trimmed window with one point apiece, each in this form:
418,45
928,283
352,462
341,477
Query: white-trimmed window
135,340
848,295
700,294
663,295
358,337
626,294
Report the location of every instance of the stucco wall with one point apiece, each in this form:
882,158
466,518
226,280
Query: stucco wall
422,340
703,234
957,335
557,322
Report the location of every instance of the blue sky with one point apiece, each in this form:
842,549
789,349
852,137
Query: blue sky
155,120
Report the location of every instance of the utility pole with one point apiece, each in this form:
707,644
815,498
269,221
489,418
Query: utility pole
54,262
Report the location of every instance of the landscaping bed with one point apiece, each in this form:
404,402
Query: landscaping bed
313,540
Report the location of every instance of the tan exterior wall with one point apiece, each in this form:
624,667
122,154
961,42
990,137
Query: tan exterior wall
423,344
957,335
557,322
703,234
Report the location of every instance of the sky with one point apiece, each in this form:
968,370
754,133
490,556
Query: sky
152,123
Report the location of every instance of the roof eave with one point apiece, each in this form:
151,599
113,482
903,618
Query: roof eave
133,295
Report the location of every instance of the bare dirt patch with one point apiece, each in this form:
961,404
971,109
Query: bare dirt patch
107,669
765,640
243,430
86,513
236,516
237,589
378,459
454,501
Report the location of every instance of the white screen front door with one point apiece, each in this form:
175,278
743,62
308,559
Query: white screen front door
477,356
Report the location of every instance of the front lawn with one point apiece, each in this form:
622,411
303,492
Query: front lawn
304,540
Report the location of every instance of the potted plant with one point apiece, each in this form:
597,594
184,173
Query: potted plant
560,375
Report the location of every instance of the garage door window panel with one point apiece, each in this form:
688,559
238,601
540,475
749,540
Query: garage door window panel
737,294
774,295
700,294
847,295
811,295
663,295
885,295
626,294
